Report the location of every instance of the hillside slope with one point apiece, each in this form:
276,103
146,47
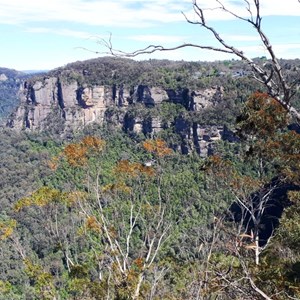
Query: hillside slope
194,100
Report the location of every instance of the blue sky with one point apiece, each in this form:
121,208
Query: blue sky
45,34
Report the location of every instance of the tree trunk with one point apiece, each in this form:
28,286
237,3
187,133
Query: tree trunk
138,286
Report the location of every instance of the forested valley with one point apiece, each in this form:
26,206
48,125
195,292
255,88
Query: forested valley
108,213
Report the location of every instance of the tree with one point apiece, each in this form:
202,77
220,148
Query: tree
263,181
122,225
270,75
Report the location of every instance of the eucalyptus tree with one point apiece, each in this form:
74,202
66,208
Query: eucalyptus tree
270,75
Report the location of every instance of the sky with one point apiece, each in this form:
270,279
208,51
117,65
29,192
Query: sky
46,34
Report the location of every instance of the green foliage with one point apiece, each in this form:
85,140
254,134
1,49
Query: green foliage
9,88
6,228
112,216
42,281
123,184
289,232
81,218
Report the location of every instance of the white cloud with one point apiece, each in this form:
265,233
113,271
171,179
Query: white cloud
138,20
288,50
111,13
64,32
129,13
239,7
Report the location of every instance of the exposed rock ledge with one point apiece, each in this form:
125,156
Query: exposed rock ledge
80,105
56,102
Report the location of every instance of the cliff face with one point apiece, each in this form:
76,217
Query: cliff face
53,102
78,105
74,106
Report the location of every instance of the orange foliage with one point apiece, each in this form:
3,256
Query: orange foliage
217,165
92,224
225,174
285,148
133,169
94,143
157,147
265,122
72,197
139,263
263,115
243,185
117,187
77,154
53,163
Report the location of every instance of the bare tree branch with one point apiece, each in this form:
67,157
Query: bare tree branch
273,80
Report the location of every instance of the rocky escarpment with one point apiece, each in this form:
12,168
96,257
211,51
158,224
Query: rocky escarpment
79,105
53,102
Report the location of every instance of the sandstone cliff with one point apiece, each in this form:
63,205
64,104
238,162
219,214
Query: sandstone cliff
66,105
140,97
79,105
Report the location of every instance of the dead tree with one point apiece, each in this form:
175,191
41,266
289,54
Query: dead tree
272,77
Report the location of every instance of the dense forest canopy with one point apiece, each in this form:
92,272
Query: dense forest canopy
192,195
106,211
108,214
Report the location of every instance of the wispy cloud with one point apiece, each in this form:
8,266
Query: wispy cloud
64,32
128,13
287,50
110,13
40,23
239,7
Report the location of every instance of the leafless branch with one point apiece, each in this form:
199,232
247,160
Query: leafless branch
273,80
252,283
